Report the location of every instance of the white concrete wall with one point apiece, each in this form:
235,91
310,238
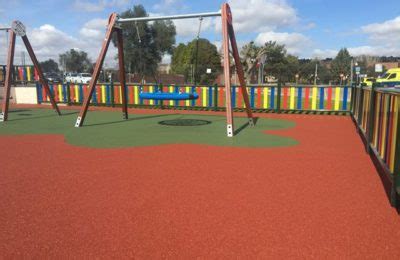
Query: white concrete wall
26,95
12,94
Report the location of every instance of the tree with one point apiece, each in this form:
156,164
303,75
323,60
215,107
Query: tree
49,66
324,74
181,61
307,72
250,54
75,61
292,68
341,64
186,57
145,43
276,62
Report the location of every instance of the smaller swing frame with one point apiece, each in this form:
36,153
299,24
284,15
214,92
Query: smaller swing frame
18,29
229,40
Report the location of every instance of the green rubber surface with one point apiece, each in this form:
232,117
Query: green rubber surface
105,129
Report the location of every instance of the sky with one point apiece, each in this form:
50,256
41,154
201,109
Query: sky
308,28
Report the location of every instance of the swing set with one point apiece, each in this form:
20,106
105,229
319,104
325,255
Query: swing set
18,28
159,95
229,40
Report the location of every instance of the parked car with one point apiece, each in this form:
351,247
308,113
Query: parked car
83,78
70,77
53,77
78,78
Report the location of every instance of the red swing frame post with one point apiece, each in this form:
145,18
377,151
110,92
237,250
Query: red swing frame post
228,35
18,28
111,28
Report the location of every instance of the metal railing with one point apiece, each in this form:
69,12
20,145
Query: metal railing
376,112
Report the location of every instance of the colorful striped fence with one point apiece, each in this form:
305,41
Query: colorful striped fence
376,112
266,97
20,73
316,98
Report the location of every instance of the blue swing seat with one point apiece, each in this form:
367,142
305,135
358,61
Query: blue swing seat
168,96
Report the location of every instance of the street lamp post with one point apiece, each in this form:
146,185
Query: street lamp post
316,74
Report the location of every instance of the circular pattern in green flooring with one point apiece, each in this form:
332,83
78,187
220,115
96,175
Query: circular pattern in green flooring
106,129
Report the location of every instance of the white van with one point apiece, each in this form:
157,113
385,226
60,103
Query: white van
83,78
79,78
69,77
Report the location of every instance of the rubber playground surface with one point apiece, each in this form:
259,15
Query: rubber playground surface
293,186
107,129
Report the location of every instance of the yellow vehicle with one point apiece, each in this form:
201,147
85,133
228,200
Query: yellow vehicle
390,78
367,81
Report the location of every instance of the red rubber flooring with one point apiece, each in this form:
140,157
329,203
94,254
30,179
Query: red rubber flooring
320,199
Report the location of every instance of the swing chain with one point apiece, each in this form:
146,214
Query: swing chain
197,50
137,32
200,22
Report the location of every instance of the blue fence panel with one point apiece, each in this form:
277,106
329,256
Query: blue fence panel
252,94
272,99
321,98
299,97
210,96
345,97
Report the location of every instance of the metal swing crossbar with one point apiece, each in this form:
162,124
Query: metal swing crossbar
229,40
168,17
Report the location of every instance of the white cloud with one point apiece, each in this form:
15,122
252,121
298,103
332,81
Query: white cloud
248,16
94,29
88,6
323,54
295,42
261,15
383,39
388,30
48,42
186,29
308,26
92,36
97,6
190,27
375,51
170,6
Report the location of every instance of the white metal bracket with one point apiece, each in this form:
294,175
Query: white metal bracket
229,129
19,28
78,122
